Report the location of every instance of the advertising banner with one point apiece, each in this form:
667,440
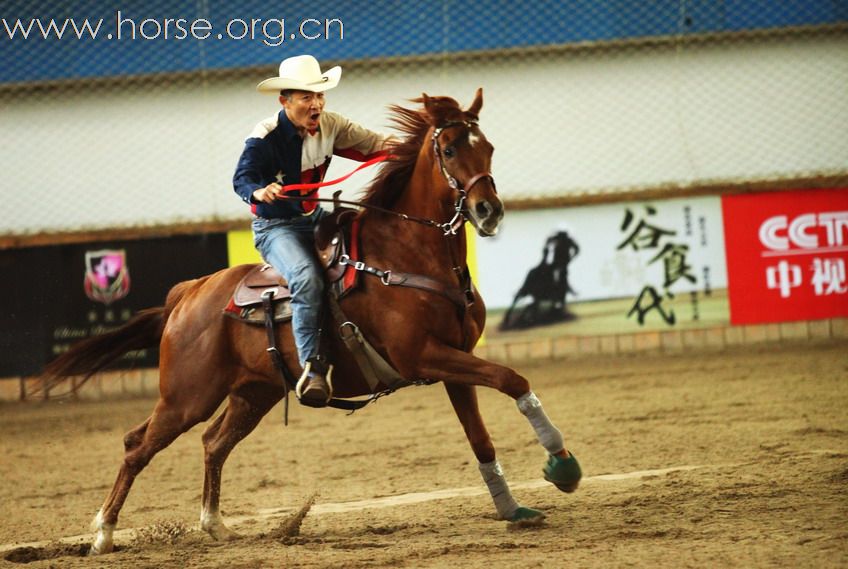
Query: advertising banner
53,296
607,268
786,255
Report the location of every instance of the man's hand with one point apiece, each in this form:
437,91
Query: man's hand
269,193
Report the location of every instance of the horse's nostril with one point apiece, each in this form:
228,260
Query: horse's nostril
483,209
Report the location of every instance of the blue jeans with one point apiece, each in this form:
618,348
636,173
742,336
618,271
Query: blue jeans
288,246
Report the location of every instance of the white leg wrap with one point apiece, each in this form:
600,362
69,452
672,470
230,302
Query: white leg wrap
493,476
103,540
97,521
213,524
549,436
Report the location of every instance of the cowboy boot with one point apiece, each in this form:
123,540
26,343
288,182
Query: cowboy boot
315,388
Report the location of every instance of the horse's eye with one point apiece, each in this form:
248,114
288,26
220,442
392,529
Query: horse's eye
449,152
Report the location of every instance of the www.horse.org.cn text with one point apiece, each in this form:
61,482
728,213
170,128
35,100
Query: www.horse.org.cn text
272,32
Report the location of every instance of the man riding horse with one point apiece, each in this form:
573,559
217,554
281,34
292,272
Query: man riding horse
292,147
416,305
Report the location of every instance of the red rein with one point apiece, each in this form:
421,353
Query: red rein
316,185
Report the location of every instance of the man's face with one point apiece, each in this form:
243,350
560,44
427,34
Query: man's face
304,109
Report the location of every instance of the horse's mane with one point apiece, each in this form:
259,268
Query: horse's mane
395,174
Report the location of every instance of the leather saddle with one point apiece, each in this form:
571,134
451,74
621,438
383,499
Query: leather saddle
331,242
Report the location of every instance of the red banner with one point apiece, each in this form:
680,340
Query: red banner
787,255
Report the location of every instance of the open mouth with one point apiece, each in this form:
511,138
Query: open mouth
314,116
487,231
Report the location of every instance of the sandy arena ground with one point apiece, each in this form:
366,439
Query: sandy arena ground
748,448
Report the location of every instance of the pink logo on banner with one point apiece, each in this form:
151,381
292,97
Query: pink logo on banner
107,278
787,255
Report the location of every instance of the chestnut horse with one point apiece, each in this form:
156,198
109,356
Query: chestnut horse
439,171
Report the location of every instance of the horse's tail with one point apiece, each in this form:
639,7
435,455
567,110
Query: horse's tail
144,330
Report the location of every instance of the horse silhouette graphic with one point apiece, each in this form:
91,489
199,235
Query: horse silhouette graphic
547,285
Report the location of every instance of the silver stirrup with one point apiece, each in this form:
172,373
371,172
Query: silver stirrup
298,389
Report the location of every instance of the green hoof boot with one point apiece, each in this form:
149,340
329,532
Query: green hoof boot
525,518
564,473
523,514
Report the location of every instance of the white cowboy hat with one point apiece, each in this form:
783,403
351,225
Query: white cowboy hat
301,73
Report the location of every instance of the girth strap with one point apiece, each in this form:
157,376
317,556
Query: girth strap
372,365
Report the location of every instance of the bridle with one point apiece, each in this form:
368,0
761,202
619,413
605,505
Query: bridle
460,213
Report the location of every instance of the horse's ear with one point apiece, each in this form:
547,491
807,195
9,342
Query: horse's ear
430,107
475,107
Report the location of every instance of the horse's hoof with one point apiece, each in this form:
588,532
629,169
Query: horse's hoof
101,547
523,514
564,473
215,527
223,533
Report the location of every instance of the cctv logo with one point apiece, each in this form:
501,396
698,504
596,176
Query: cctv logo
778,233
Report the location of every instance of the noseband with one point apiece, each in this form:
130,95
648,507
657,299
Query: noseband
460,213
